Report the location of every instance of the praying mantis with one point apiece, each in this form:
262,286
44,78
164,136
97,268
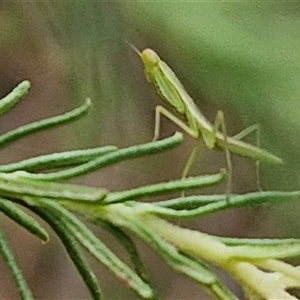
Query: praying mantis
171,90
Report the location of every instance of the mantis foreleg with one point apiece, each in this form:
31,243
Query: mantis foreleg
160,110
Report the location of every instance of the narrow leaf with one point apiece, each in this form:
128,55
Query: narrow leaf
14,97
20,132
12,211
73,250
15,270
57,160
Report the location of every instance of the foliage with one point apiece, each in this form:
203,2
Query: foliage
257,264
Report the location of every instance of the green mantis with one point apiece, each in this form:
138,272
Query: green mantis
170,89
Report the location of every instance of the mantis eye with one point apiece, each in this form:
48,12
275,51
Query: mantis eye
150,57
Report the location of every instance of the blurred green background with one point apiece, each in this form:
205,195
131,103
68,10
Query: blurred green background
240,57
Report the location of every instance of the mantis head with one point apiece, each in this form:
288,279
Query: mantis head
150,58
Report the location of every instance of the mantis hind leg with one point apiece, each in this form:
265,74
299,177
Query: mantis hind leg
241,135
190,160
211,143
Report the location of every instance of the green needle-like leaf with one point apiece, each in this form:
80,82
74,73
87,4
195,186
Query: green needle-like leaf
14,97
175,208
16,134
130,247
113,158
71,246
15,185
195,269
9,258
166,187
12,211
87,239
57,160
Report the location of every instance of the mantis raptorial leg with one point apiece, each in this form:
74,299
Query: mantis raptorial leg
219,123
